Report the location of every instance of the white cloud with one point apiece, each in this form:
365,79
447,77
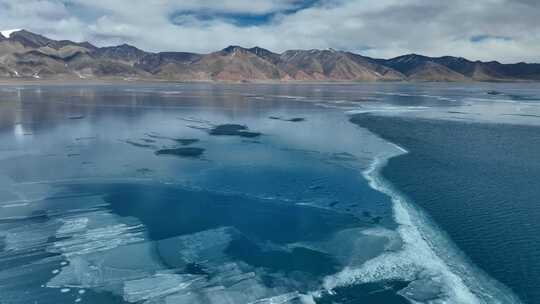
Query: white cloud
382,28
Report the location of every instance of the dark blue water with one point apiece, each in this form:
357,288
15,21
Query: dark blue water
481,184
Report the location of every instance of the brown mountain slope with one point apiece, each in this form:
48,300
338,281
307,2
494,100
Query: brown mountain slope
332,65
431,71
236,64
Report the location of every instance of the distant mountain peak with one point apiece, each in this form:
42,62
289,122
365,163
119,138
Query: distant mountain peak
123,52
453,58
127,46
258,49
23,32
123,48
410,58
234,48
262,52
29,39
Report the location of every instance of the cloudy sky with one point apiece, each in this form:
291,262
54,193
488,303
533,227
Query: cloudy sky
504,30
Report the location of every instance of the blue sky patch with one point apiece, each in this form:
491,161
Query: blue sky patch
238,19
481,38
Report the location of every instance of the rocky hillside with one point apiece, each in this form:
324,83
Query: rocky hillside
25,55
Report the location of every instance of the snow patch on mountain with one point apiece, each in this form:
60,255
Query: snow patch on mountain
7,33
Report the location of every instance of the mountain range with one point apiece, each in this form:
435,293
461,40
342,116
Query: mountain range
26,55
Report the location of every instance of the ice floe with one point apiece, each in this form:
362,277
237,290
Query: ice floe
158,286
280,299
119,258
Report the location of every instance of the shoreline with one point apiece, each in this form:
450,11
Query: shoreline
33,81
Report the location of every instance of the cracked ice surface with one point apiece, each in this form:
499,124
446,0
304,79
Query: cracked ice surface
118,258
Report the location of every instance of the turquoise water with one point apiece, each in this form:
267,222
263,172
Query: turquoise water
201,193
